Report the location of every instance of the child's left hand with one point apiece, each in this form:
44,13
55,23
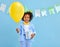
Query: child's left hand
32,35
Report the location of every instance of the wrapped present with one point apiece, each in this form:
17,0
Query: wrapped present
28,34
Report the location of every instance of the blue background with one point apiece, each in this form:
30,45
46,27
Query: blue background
47,28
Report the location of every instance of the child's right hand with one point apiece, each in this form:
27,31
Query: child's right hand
17,29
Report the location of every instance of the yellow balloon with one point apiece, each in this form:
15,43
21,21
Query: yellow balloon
16,11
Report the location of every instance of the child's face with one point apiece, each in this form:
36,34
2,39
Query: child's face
26,18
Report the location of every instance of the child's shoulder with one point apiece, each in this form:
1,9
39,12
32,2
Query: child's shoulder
32,25
20,25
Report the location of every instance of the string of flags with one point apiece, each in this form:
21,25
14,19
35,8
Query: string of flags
38,12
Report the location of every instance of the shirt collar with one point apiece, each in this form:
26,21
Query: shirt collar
26,23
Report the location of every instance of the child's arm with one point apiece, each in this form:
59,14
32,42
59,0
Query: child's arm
17,29
33,32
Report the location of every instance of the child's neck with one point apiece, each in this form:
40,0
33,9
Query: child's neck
26,23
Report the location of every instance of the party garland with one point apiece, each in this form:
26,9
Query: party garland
38,12
44,12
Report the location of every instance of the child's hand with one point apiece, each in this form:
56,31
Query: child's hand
17,29
32,35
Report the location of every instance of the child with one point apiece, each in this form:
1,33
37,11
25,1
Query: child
26,30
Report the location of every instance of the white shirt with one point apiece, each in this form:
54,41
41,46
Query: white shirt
26,28
28,32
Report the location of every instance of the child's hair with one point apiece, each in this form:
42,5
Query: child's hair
29,13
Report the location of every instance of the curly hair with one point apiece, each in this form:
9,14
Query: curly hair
29,13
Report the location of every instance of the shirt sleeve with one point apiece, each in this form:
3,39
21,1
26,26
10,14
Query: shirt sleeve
33,29
20,28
